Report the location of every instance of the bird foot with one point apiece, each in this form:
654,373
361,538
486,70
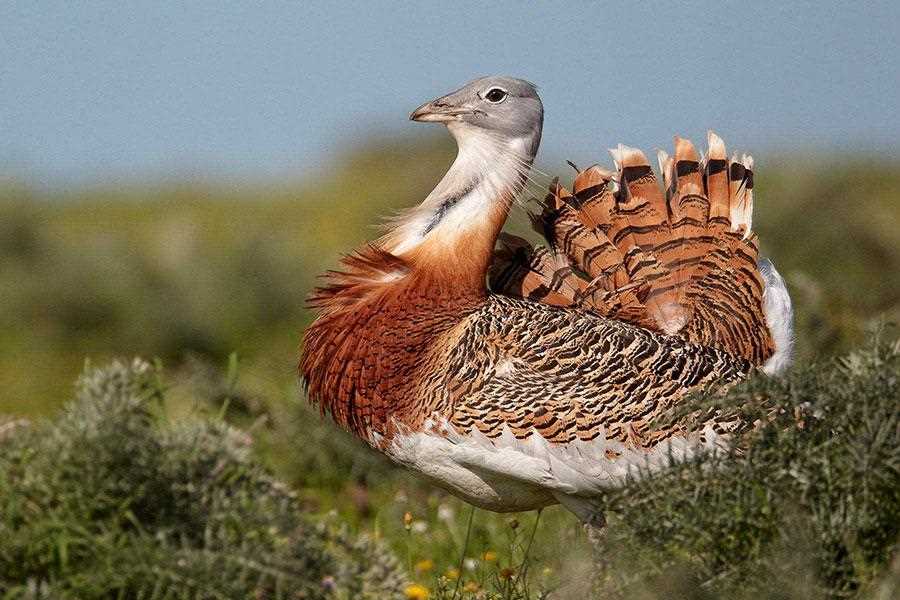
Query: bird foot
595,529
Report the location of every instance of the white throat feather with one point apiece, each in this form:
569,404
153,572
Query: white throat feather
488,170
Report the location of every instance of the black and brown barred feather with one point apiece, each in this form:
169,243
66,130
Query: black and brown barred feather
571,375
680,259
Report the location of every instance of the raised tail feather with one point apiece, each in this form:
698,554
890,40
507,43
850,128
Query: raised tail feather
681,259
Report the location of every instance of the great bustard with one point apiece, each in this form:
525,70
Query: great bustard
541,386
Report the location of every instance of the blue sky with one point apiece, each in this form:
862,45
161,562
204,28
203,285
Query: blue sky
92,92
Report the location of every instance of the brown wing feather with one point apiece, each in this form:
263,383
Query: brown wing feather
683,262
570,375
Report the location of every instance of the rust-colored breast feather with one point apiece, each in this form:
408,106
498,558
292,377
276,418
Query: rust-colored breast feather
373,356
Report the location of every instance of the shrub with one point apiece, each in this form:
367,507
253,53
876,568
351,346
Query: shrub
110,500
805,505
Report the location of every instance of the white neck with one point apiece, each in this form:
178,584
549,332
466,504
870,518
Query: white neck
488,172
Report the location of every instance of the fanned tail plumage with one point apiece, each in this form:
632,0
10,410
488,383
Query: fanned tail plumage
681,259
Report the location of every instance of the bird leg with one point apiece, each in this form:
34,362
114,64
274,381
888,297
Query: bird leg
595,530
590,512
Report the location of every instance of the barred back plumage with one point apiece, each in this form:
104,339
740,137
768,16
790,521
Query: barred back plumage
551,384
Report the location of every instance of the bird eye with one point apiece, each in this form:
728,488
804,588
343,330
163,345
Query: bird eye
496,95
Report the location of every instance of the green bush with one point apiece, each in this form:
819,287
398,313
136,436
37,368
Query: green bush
110,500
805,505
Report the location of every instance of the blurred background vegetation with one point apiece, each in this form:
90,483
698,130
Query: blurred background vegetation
211,280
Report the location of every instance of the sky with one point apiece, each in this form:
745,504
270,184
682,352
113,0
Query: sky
92,92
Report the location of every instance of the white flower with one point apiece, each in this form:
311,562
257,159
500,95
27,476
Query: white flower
470,564
446,513
419,527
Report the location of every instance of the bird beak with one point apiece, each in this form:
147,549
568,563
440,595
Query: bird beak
438,111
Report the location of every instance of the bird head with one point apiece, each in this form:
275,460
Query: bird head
504,107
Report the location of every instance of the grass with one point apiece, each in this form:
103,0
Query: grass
195,273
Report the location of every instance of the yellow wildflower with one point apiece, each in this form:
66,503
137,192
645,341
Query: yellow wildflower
470,587
452,574
489,556
416,592
424,565
407,520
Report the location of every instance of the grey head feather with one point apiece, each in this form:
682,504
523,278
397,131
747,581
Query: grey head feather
504,106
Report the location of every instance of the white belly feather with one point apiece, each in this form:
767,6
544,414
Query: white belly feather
506,474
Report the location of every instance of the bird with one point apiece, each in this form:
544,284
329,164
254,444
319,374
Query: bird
518,376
